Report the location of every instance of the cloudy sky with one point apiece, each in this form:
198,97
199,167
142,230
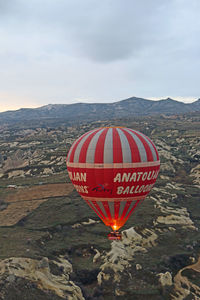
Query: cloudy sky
67,51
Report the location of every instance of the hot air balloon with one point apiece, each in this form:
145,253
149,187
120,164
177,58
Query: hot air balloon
113,169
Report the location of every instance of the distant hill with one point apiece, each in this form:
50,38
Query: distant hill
100,111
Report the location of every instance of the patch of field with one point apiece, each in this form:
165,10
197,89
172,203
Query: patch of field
35,180
25,200
20,242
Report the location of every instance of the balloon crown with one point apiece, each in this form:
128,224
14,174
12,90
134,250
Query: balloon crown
113,127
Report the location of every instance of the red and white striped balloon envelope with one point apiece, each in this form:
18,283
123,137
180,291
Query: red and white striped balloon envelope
113,169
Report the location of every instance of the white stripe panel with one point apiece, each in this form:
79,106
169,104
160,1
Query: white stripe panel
100,204
94,208
78,149
129,209
92,147
150,145
112,209
142,151
108,147
126,151
121,209
72,147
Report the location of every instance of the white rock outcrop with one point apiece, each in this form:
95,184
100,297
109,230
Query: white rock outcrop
122,253
38,271
165,279
16,173
195,173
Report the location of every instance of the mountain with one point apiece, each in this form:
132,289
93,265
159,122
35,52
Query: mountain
100,111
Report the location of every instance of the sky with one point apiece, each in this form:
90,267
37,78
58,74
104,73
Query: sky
69,51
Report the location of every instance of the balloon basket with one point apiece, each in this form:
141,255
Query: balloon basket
115,235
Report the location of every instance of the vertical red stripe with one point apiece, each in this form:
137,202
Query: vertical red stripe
146,146
116,207
99,210
128,203
68,158
107,209
99,152
84,148
71,158
96,210
135,154
153,146
117,148
132,209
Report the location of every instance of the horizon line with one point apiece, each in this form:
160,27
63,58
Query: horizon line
78,101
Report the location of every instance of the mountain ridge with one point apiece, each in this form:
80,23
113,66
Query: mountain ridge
133,106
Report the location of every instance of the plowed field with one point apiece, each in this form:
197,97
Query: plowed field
25,200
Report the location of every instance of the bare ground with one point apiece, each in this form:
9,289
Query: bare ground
25,200
183,286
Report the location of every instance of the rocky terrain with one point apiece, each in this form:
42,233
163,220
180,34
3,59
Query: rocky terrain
53,246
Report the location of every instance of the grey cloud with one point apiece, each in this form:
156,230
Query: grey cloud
99,30
99,50
5,6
